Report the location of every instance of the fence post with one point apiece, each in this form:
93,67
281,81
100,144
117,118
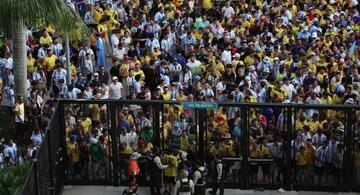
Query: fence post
348,171
287,142
51,185
114,144
245,146
201,134
156,125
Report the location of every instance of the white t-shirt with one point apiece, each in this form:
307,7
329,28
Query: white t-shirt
114,41
115,90
119,53
228,11
226,57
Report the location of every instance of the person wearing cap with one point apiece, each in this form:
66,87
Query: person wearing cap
116,89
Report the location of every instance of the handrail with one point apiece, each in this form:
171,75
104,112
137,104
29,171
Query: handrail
223,104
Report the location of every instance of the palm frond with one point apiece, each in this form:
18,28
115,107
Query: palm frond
55,12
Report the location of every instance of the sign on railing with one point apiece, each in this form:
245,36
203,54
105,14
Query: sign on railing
200,105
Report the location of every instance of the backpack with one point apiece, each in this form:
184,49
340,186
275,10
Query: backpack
185,186
202,179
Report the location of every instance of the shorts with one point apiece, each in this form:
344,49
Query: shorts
169,180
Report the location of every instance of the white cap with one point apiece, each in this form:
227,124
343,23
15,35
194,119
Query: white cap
247,78
96,74
276,58
236,55
115,78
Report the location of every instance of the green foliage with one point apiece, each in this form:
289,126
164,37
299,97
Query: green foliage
13,179
37,13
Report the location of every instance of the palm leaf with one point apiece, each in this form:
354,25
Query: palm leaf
55,12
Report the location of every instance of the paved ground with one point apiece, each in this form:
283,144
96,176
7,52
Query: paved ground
107,190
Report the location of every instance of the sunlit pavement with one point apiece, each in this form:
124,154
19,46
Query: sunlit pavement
108,190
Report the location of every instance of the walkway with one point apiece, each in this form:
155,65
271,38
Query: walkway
109,190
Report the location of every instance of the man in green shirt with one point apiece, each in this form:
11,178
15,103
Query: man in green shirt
97,158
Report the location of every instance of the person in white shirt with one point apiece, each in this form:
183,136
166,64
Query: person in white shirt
152,43
10,150
227,10
207,91
226,56
72,92
290,89
313,99
115,89
89,66
137,84
166,44
184,186
37,137
115,39
262,92
124,137
318,139
58,74
119,53
194,65
160,16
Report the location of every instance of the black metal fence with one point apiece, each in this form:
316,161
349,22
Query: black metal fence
46,174
250,155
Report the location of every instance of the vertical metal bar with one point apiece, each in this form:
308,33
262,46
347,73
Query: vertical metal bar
63,155
156,125
114,143
245,147
36,177
287,143
48,132
201,133
162,127
349,116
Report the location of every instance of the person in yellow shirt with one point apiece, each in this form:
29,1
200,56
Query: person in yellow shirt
301,164
30,63
314,124
49,65
98,13
73,154
301,122
207,4
170,172
102,27
46,38
49,61
110,11
137,71
166,95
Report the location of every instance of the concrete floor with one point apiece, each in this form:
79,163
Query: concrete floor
109,190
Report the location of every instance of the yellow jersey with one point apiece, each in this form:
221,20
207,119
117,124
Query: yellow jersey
49,62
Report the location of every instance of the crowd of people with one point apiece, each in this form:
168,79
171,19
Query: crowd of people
243,51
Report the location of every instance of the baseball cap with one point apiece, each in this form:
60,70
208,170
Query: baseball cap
115,78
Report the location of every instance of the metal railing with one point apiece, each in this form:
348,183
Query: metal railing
51,170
